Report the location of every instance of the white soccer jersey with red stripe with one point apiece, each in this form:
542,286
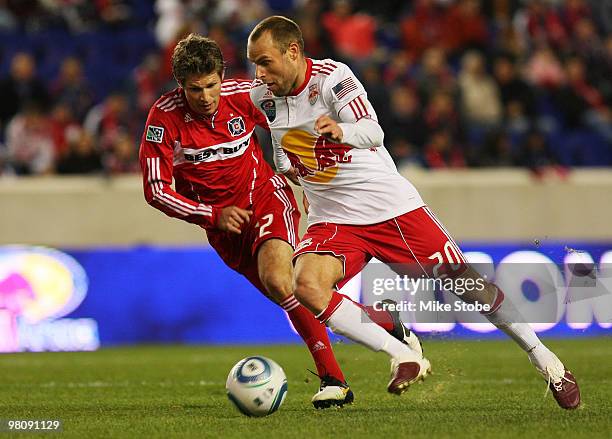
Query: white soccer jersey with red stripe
214,161
345,185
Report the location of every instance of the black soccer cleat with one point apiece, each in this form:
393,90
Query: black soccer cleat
332,392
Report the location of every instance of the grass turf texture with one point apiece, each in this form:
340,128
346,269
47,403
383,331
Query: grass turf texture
479,389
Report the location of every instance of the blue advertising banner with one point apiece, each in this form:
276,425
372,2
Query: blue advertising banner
80,299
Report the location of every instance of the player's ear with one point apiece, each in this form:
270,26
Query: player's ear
294,51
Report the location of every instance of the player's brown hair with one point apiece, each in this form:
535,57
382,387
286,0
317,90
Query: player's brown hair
283,31
196,54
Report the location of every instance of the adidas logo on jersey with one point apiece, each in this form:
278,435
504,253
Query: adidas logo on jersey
188,117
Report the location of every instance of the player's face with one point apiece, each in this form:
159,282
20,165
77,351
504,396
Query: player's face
202,92
279,71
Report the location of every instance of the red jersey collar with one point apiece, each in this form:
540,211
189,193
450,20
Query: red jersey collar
306,78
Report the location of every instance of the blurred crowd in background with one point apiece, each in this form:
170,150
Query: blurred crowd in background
455,83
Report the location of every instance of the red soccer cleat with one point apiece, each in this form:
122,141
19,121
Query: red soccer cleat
407,373
566,391
559,380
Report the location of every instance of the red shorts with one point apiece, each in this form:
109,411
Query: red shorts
275,215
416,239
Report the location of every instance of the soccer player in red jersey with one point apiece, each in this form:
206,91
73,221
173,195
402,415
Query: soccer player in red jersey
201,134
324,128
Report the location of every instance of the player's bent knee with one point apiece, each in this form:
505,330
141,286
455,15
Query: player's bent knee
310,294
278,285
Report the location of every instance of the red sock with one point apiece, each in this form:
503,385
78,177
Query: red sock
380,317
314,334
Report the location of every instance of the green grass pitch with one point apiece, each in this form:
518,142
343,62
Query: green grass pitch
479,389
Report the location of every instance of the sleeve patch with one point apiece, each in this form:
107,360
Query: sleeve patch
344,87
154,134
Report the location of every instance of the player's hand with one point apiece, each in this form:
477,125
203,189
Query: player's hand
292,175
328,127
232,219
305,203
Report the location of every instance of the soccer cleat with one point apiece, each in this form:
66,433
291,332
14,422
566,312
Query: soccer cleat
402,333
560,381
332,392
566,391
407,373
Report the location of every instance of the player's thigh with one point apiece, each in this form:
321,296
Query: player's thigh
339,241
315,275
276,216
426,243
275,268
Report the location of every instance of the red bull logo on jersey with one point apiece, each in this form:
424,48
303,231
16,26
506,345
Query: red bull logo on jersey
313,93
316,159
38,287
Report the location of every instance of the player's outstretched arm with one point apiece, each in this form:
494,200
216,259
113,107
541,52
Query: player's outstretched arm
156,162
364,133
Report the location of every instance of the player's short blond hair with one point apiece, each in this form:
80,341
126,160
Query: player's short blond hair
196,54
283,31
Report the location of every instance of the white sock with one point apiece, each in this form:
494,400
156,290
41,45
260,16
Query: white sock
508,319
350,321
546,361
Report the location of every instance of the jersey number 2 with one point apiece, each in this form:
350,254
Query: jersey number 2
268,220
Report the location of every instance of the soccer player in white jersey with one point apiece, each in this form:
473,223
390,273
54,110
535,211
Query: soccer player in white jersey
327,137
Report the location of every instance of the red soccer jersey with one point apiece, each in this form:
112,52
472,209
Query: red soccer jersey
216,161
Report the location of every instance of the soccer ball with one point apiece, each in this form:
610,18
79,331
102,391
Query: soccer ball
257,386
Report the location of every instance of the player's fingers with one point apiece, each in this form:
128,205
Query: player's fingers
325,128
242,215
233,226
237,218
225,224
321,122
305,203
